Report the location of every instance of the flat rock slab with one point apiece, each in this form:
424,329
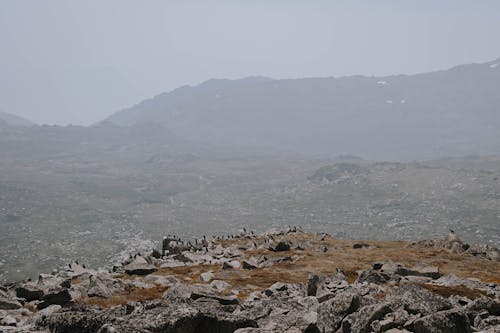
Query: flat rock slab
141,269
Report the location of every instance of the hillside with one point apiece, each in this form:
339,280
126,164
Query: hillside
14,121
277,281
446,113
73,192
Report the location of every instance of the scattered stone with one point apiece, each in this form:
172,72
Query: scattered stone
386,298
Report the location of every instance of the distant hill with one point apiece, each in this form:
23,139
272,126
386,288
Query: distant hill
14,121
443,113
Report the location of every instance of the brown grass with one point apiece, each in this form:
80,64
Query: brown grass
128,296
340,255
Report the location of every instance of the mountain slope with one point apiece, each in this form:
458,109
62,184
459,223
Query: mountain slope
451,112
14,121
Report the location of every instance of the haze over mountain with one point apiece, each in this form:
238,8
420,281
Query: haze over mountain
14,121
443,113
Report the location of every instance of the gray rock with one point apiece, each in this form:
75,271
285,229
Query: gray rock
59,296
372,276
9,304
361,321
8,321
425,271
484,303
219,285
332,312
418,300
30,292
206,276
104,286
224,300
278,286
233,264
451,321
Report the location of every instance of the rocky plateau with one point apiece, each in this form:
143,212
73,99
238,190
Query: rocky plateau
277,281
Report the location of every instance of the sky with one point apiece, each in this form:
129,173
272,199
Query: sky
77,62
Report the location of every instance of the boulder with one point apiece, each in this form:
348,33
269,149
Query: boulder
206,276
8,321
361,321
139,269
100,287
333,311
233,264
276,287
30,291
224,300
451,321
9,304
282,245
418,300
59,296
219,285
492,306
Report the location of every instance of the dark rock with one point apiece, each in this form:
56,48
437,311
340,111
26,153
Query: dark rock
30,292
60,296
245,264
360,245
278,286
451,321
282,245
428,271
141,269
313,282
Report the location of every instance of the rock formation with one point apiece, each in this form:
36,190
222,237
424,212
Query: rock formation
278,281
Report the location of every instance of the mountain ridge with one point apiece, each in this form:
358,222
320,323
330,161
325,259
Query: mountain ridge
14,121
449,112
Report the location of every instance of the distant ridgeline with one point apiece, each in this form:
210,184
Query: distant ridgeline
444,113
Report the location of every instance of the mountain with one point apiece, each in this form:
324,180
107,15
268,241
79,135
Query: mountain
443,113
14,121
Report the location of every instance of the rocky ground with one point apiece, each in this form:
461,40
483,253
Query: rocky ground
277,281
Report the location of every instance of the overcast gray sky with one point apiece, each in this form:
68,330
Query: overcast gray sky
79,61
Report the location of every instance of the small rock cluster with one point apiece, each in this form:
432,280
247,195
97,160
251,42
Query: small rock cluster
388,297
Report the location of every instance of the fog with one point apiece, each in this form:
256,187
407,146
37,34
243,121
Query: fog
78,62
